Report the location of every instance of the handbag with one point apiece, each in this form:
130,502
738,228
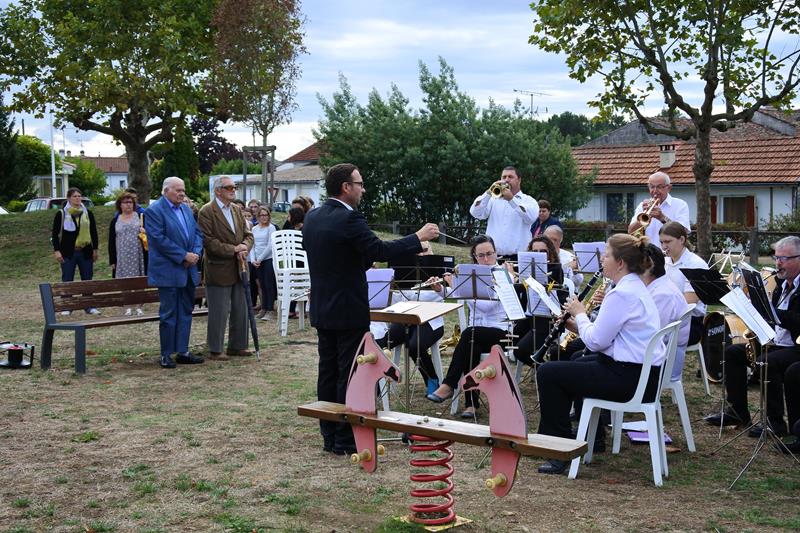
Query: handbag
142,232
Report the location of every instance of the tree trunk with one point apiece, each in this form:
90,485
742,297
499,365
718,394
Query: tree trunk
702,168
139,172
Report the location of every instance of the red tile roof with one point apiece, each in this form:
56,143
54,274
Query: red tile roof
309,153
773,160
109,165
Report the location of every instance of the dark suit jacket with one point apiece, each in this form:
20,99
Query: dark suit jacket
220,265
790,318
340,248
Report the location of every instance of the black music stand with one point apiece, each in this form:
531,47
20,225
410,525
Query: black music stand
413,269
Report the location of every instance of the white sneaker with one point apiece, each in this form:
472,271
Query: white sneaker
66,313
128,311
270,315
139,311
93,311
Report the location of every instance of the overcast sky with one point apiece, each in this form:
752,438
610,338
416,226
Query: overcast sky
379,42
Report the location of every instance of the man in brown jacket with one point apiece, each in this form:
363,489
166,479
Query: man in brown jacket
226,241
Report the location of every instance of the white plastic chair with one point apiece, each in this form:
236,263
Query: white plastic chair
590,413
702,361
291,274
678,397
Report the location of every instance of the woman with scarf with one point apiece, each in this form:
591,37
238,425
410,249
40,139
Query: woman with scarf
75,241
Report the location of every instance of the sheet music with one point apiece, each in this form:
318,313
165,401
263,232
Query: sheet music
508,296
401,307
541,292
588,255
738,302
536,259
469,287
379,281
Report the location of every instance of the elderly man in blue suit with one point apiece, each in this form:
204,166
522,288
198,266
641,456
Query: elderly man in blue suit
175,245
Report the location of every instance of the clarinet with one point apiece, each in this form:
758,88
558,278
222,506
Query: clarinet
558,325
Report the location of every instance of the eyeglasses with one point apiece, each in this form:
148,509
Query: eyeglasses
229,188
784,257
659,187
487,254
126,202
359,183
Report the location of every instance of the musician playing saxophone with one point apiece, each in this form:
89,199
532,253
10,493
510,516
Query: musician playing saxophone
617,339
667,207
785,352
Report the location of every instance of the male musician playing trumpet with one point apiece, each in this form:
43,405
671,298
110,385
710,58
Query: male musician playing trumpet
666,207
510,214
780,356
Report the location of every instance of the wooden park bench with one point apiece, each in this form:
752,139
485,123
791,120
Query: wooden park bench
80,295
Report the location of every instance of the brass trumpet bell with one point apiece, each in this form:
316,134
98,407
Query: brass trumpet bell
497,188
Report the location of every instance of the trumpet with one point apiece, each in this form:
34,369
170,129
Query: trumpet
644,217
497,188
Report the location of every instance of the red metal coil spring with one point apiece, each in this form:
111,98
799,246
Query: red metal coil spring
432,513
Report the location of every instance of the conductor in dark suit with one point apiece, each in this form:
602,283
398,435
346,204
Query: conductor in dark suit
175,244
340,248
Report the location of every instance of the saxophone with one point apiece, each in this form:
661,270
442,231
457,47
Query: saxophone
753,347
572,335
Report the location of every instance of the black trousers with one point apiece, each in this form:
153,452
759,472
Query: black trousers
791,389
421,338
695,330
594,376
467,354
779,358
337,349
530,332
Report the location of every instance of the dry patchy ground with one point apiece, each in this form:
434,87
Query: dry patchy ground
219,447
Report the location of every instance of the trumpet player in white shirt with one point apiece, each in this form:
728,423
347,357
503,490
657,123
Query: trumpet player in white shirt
666,207
617,340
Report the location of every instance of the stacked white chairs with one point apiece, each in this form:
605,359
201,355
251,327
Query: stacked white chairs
291,273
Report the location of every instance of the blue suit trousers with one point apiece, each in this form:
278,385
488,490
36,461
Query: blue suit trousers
175,312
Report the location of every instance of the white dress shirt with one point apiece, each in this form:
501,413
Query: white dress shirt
782,335
226,212
688,259
566,259
673,208
509,220
626,322
671,305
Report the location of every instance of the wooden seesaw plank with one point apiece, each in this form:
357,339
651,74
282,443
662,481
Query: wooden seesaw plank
440,428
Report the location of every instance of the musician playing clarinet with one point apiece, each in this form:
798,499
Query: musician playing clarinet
666,207
488,324
616,340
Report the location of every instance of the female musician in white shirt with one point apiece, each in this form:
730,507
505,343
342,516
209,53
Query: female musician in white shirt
675,243
670,302
617,339
488,324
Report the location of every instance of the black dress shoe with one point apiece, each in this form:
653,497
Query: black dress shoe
344,451
779,429
167,362
789,447
188,359
553,466
728,418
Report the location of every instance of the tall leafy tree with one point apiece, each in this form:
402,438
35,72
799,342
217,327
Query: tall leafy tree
179,158
131,70
13,180
715,63
87,177
430,163
211,146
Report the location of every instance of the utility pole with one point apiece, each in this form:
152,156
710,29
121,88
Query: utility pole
531,94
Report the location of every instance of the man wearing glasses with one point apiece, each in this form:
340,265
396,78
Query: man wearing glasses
340,248
668,208
226,242
780,355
